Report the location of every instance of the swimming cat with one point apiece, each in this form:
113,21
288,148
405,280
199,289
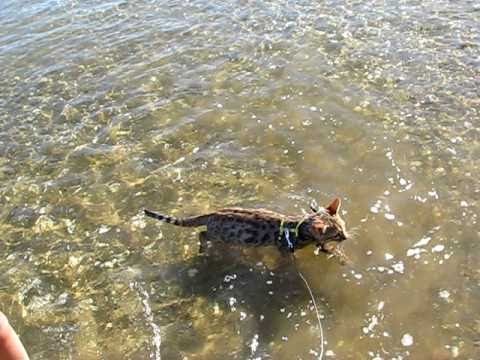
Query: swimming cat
260,227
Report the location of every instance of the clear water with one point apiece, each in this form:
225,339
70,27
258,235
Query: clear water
188,106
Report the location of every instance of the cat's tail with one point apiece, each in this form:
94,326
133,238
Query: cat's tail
193,221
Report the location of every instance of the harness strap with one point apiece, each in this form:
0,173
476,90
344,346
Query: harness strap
289,243
286,231
297,228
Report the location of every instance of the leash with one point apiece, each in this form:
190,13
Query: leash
312,297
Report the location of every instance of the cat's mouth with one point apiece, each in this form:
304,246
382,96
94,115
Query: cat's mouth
335,249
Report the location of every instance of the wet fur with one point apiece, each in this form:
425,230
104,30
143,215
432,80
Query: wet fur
261,227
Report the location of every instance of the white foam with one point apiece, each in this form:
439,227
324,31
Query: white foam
254,344
157,339
438,248
407,340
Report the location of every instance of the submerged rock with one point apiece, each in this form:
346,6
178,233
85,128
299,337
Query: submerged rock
90,152
23,216
6,171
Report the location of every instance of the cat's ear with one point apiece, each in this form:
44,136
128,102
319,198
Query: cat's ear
334,206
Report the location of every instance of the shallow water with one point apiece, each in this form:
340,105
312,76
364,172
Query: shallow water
188,106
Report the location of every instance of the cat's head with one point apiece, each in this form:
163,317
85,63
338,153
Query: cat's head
327,227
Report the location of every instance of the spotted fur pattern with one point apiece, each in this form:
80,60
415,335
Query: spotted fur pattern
260,227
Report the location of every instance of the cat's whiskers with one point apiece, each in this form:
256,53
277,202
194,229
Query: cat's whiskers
352,233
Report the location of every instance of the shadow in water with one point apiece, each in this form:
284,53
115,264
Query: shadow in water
221,304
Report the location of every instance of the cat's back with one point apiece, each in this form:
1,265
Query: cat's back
251,214
245,226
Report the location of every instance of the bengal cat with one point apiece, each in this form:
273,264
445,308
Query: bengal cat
259,227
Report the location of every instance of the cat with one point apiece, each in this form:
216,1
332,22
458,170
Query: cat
259,227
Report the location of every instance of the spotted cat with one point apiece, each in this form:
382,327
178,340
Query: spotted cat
259,227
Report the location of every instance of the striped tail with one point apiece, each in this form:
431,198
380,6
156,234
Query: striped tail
193,221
